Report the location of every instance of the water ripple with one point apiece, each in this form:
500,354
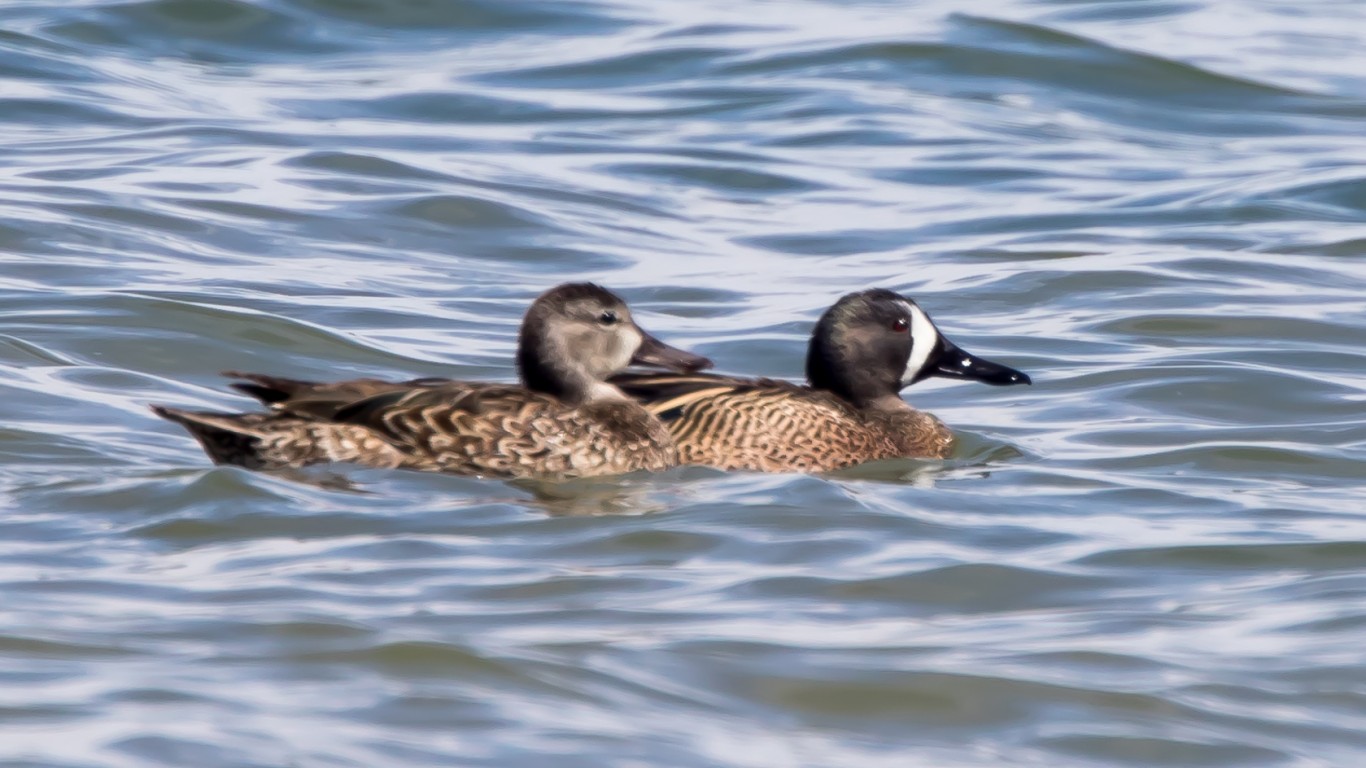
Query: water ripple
1148,558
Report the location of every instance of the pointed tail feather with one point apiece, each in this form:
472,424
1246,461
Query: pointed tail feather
269,389
227,438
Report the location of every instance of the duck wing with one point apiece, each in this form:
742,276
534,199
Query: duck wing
319,400
667,395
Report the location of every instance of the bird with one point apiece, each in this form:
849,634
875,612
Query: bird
563,420
864,350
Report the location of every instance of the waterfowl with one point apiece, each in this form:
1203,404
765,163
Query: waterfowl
563,420
864,350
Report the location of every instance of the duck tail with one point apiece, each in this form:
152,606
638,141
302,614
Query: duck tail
228,438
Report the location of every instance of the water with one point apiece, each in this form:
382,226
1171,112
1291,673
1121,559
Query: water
1152,557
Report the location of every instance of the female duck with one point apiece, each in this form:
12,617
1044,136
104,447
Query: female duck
564,420
864,350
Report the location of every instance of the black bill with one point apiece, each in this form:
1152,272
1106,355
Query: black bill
950,362
656,353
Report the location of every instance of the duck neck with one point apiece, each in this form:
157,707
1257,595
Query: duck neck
887,403
542,368
829,368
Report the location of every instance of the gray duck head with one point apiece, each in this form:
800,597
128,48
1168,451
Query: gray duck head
576,335
872,344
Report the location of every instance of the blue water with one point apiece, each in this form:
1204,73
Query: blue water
1152,557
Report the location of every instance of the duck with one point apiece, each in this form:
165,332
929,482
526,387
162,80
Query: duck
563,420
864,350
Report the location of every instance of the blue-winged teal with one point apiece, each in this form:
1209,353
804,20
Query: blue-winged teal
864,350
564,420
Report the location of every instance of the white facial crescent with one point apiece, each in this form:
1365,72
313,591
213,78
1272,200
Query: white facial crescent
924,337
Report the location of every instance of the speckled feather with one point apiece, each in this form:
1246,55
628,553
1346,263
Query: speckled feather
776,426
469,428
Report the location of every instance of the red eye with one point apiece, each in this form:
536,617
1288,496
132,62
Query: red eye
899,325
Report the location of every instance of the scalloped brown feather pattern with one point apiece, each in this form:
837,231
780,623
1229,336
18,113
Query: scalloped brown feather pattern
776,426
466,428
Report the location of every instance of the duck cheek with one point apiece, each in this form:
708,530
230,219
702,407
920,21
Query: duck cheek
925,343
624,347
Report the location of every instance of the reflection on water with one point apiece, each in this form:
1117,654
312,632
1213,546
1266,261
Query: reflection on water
1151,557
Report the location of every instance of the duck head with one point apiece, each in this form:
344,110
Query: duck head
577,335
872,344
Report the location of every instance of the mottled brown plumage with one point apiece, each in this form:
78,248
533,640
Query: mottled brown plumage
563,421
864,350
777,426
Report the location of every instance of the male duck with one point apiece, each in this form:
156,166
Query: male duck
864,350
564,420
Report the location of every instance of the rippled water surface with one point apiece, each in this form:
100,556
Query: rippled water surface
1152,557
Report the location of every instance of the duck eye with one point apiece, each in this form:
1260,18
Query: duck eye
899,325
608,318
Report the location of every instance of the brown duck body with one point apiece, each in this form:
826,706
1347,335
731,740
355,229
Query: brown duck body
469,428
562,421
775,426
